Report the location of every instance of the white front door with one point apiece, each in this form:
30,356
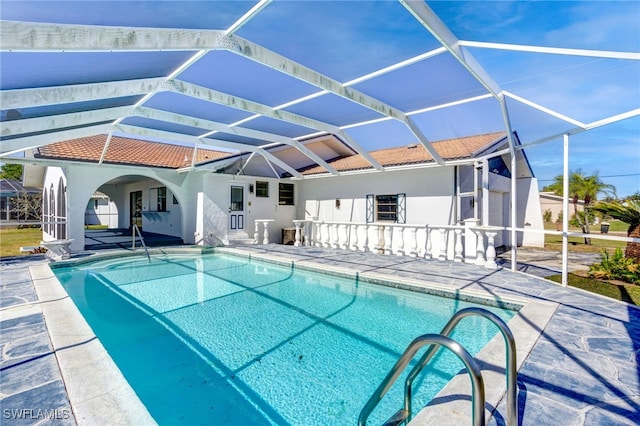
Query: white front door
236,208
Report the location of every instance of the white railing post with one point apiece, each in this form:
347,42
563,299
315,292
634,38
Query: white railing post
306,227
345,242
491,251
388,239
380,245
480,261
443,244
427,243
336,236
401,250
327,235
458,246
365,244
319,235
470,240
265,234
296,243
354,242
256,232
414,242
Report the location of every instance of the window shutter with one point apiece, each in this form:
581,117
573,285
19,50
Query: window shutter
370,206
402,207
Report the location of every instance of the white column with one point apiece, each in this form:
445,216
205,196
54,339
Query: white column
388,239
565,212
414,242
327,235
458,245
491,251
443,244
480,249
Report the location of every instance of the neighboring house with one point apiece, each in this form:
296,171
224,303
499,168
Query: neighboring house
101,211
217,196
9,189
553,203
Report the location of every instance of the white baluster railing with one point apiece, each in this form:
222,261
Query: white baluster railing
443,242
265,231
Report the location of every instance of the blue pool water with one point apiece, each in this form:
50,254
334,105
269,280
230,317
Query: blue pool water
216,339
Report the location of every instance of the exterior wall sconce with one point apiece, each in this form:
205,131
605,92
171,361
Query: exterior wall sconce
250,188
337,203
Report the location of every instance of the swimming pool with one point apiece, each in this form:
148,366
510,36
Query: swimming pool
225,340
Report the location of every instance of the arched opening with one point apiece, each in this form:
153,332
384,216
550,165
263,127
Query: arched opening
120,203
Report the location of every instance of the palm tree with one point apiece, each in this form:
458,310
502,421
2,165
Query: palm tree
582,187
629,213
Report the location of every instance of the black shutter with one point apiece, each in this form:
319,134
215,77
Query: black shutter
370,208
401,209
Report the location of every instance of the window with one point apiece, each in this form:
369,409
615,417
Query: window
285,194
262,189
386,208
158,199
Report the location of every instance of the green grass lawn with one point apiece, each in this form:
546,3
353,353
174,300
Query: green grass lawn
577,244
629,293
12,239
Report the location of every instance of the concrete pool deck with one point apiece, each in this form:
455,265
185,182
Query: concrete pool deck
583,369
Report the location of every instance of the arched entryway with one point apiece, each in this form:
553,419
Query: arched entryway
140,200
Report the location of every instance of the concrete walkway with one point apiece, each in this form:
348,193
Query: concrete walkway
584,369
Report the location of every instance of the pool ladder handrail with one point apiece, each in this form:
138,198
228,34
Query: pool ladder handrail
133,245
477,392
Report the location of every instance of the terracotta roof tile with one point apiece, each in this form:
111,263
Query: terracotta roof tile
450,149
127,151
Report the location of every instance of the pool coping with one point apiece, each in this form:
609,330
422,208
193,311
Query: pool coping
95,385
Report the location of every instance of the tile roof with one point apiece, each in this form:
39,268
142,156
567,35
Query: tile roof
127,151
449,149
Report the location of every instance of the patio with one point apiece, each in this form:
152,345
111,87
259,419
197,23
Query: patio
583,370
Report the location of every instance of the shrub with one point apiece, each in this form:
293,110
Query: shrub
546,216
616,267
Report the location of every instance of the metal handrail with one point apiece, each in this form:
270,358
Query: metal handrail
133,245
437,340
510,370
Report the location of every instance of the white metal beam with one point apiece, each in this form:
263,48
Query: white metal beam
211,95
553,50
16,145
257,8
62,121
34,37
544,109
423,13
240,131
25,98
161,134
280,63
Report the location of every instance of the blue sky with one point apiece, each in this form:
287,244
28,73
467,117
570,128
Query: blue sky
345,40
